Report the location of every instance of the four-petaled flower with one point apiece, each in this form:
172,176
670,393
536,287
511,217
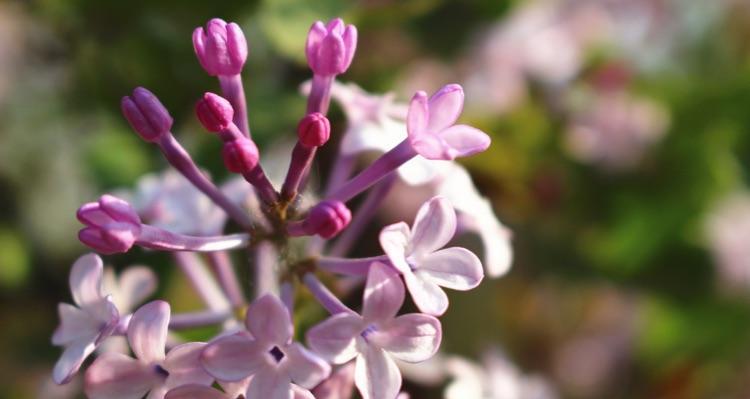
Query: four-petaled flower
117,376
431,126
265,352
376,335
417,255
83,328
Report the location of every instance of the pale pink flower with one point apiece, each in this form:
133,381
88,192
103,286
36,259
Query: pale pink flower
417,255
728,232
377,335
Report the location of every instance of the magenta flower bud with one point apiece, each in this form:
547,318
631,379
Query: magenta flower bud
330,48
221,47
328,218
240,156
314,130
146,114
214,112
112,225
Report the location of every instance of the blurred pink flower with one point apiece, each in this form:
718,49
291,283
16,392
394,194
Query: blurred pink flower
727,228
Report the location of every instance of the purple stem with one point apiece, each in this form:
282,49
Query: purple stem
265,272
349,267
323,295
160,239
382,166
287,296
224,270
263,186
182,321
202,280
302,158
232,89
362,217
342,168
297,228
180,160
320,94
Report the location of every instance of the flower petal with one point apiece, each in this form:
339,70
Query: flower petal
269,320
305,368
232,358
394,239
270,383
136,284
412,337
465,140
376,375
194,391
445,107
384,293
433,227
118,376
339,385
428,296
456,268
334,338
184,366
74,324
86,280
418,116
147,332
71,359
301,393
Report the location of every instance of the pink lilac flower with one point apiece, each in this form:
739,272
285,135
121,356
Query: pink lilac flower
86,326
266,352
194,391
118,376
377,335
417,255
339,385
726,227
330,48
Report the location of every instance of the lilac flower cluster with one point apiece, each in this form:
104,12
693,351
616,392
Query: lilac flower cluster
286,235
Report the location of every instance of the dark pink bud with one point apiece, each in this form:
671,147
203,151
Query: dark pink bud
240,156
113,226
214,112
221,47
314,130
328,218
330,49
146,114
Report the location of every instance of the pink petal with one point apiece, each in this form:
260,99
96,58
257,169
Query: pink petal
412,337
234,389
74,324
86,280
432,147
194,391
384,293
106,314
269,320
334,338
270,383
136,284
147,332
350,44
428,296
305,368
184,366
465,140
434,226
456,268
339,385
300,393
117,376
394,239
331,54
445,107
233,358
314,38
71,359
417,117
376,375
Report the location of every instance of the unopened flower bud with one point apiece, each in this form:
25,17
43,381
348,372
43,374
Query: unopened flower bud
214,112
221,47
314,130
240,156
330,48
328,218
112,225
146,114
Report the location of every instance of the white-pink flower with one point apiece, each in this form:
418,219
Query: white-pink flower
266,353
377,335
417,254
431,126
83,328
117,376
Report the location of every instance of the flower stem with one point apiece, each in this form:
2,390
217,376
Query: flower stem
233,90
326,298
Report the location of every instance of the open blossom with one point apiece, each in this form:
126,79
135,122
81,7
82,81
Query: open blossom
83,328
377,335
418,256
266,353
118,376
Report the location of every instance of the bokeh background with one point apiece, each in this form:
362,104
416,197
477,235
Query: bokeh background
620,160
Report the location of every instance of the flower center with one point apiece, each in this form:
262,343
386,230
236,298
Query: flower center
160,371
276,353
368,331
